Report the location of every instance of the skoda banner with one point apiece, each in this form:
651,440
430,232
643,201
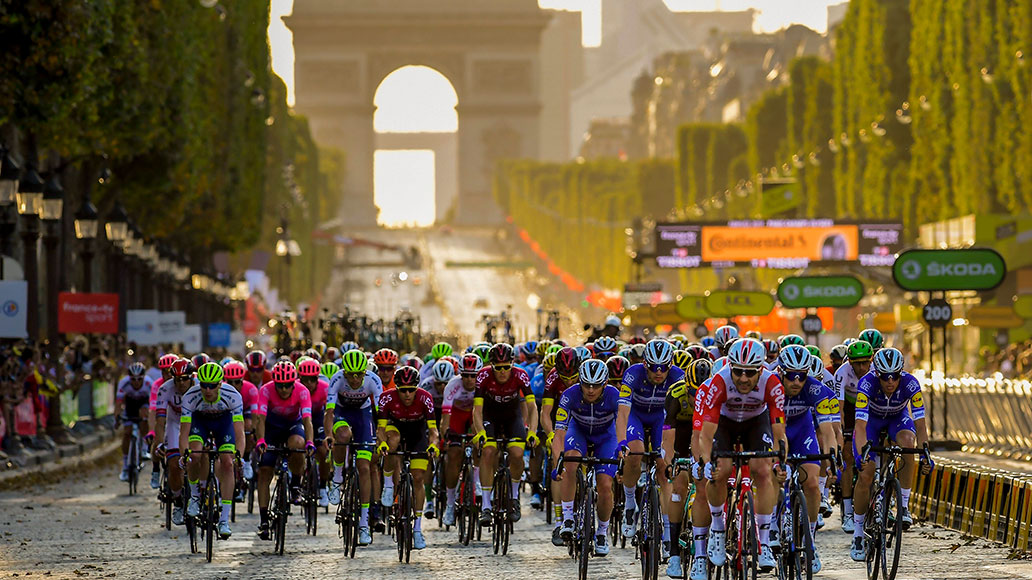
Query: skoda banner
934,270
817,291
726,304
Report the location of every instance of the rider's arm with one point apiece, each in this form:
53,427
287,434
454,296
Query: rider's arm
259,428
622,415
531,413
545,416
159,430
309,431
478,414
705,449
185,421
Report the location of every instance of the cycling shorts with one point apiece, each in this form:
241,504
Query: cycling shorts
505,424
276,435
848,419
877,426
359,420
802,438
414,436
682,439
647,428
602,446
459,424
219,428
752,434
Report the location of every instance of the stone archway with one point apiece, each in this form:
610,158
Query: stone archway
487,49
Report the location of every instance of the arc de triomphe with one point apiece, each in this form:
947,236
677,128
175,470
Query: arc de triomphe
487,49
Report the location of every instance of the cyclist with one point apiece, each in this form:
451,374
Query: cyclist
441,374
132,407
806,397
858,356
437,352
677,442
605,347
564,376
640,421
406,422
350,399
873,337
723,338
773,350
284,420
168,411
235,372
309,373
888,402
257,374
837,354
743,404
502,404
457,420
211,410
386,361
164,364
618,366
584,426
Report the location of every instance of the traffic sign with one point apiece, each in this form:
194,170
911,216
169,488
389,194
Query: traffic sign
727,303
994,317
937,313
816,291
692,308
812,324
931,270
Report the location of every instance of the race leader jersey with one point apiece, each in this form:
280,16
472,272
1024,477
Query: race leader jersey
294,408
394,411
643,396
871,400
495,395
814,397
456,398
340,394
845,383
721,398
228,402
590,418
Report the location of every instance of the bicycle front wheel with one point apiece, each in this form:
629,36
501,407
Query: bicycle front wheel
282,507
210,509
800,549
587,532
891,529
748,566
650,534
312,499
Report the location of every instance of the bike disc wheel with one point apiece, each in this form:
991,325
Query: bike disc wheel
892,533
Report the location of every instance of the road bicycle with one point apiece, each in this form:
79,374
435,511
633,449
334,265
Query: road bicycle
279,503
403,514
205,523
883,526
502,501
349,509
133,459
648,536
467,509
742,543
582,544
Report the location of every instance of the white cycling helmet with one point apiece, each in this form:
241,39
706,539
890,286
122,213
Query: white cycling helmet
794,358
613,320
658,352
816,366
747,353
724,335
718,365
594,372
888,360
443,371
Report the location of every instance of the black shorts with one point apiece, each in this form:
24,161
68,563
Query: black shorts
502,424
414,436
682,439
848,419
752,434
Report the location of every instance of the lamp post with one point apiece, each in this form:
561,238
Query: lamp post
86,226
116,226
30,198
52,212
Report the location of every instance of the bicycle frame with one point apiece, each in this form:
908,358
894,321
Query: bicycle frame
743,540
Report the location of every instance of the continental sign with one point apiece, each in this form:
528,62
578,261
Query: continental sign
729,244
817,291
726,304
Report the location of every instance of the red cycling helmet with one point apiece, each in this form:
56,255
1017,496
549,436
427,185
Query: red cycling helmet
294,355
618,365
501,353
181,368
200,360
309,368
454,362
234,370
165,362
406,377
567,362
471,364
284,372
385,357
255,360
636,340
332,353
414,362
313,354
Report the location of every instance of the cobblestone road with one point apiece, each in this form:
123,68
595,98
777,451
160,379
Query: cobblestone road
86,526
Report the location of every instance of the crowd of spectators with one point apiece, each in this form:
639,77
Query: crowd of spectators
1013,362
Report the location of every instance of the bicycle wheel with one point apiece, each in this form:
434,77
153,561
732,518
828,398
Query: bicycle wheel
252,489
464,510
800,546
652,529
134,463
401,512
587,532
282,507
352,509
405,528
891,528
873,533
210,508
749,544
191,523
312,499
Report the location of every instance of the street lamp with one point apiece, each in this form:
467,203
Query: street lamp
30,199
51,212
116,225
9,174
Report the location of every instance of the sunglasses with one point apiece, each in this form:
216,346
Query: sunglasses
794,376
502,368
748,373
407,390
235,382
210,386
592,386
355,375
658,368
469,375
860,362
284,386
311,378
182,379
889,376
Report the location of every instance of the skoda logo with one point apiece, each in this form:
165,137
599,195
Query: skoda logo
10,308
911,270
791,291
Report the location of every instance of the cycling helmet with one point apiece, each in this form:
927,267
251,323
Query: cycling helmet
794,358
594,372
181,368
859,351
554,348
295,355
754,334
328,369
638,351
814,350
613,320
386,357
234,370
354,361
772,346
441,349
414,362
471,364
682,359
452,361
255,360
500,353
566,362
658,352
200,360
838,353
332,353
313,353
792,339
530,348
548,362
724,335
225,360
443,371
746,353
618,365
624,352
708,341
542,348
309,368
888,360
284,372
210,372
166,361
698,371
718,365
605,344
849,341
873,337
816,367
636,340
348,345
699,352
406,377
136,370
481,350
583,353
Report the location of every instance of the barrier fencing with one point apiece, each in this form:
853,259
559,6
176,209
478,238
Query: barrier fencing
988,415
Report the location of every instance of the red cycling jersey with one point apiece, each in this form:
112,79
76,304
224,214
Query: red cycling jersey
554,386
517,388
721,397
392,409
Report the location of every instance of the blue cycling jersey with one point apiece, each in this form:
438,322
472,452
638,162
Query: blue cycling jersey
643,396
815,397
589,418
871,400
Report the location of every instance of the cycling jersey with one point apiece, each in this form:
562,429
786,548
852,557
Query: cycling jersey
169,404
393,411
132,397
249,394
154,392
340,395
721,398
495,395
457,398
227,404
872,402
845,383
680,405
643,396
814,397
826,378
554,387
537,382
279,411
430,385
590,427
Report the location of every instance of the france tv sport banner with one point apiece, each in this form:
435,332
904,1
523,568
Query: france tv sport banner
87,313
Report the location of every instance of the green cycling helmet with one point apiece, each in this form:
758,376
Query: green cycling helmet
814,350
553,349
859,351
481,351
354,361
440,350
792,339
210,373
873,337
329,369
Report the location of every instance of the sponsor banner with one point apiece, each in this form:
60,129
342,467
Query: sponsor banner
727,304
218,335
171,325
931,270
734,244
14,299
192,338
87,313
692,308
817,291
142,327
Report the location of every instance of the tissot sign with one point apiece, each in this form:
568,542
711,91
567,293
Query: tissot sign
936,270
816,291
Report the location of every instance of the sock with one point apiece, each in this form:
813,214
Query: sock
906,498
388,479
557,508
700,535
675,539
195,490
567,510
603,528
858,523
227,504
363,518
452,493
763,523
417,526
822,482
516,491
486,499
847,505
717,511
263,513
338,472
666,528
813,530
629,501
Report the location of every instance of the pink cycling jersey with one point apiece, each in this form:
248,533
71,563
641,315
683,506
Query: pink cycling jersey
249,393
289,410
154,393
319,395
